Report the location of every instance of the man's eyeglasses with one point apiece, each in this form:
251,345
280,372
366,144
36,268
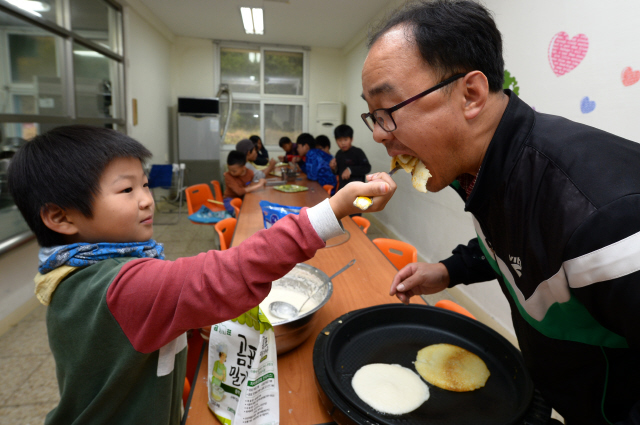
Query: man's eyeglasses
383,116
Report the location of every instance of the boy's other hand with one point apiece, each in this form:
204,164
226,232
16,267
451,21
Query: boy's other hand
333,164
380,188
272,161
346,174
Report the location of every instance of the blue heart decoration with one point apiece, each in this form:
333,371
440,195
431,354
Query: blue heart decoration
587,105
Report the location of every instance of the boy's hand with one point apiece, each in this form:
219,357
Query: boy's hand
333,164
380,188
346,173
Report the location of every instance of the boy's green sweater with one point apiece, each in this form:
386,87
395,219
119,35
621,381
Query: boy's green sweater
102,378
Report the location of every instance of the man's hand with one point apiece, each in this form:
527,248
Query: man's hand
419,279
346,174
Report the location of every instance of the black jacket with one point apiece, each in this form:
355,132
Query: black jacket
354,159
556,207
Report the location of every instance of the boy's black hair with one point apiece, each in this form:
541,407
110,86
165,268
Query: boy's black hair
284,140
343,130
63,167
323,141
453,36
236,158
306,139
255,139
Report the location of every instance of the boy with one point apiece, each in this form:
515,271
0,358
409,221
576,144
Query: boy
316,162
323,143
117,313
304,143
247,147
290,149
350,163
262,158
238,180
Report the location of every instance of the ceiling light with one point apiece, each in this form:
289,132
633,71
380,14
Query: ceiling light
31,6
252,20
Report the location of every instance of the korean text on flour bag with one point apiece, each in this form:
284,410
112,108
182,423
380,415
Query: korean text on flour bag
243,371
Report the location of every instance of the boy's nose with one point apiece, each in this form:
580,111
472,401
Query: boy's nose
147,200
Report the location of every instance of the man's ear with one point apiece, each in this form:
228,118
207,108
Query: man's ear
58,219
476,93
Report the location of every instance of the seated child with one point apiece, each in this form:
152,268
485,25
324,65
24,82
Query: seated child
290,149
316,163
247,147
117,312
238,180
263,154
323,143
350,163
303,146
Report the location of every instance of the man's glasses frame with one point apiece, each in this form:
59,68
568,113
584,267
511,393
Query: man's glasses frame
379,115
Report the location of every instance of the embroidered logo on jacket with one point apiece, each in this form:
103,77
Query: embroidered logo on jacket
516,264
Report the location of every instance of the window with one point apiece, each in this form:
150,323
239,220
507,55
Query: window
52,75
269,92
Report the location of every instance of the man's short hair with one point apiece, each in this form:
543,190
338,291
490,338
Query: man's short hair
306,139
236,158
343,130
255,139
283,141
323,141
453,36
63,167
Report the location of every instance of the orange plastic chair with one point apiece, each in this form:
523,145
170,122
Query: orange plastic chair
236,203
328,188
225,229
199,195
217,190
186,389
457,308
362,223
399,253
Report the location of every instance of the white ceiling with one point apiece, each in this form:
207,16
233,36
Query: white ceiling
313,23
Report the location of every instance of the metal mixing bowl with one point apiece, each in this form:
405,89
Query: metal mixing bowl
305,279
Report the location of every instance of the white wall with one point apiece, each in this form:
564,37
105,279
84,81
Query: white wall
436,223
148,79
327,71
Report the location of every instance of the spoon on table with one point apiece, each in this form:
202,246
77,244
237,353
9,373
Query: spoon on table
285,310
364,202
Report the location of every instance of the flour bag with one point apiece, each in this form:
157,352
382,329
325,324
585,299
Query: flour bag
243,371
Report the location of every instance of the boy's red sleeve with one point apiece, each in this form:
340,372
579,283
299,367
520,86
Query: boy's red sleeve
154,301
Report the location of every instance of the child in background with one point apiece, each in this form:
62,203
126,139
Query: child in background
290,149
350,163
247,147
263,153
323,143
117,313
238,180
304,143
317,162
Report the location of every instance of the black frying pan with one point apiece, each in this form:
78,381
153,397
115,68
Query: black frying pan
394,333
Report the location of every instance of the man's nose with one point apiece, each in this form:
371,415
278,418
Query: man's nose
381,136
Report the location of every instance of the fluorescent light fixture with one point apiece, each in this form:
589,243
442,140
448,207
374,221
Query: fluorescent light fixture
252,20
31,6
258,23
256,116
88,53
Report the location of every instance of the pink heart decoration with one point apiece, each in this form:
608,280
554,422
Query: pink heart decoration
565,54
630,77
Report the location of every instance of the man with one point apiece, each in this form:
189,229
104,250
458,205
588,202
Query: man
555,204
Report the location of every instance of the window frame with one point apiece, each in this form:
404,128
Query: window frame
65,38
262,97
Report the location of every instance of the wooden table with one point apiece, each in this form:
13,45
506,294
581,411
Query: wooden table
365,284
